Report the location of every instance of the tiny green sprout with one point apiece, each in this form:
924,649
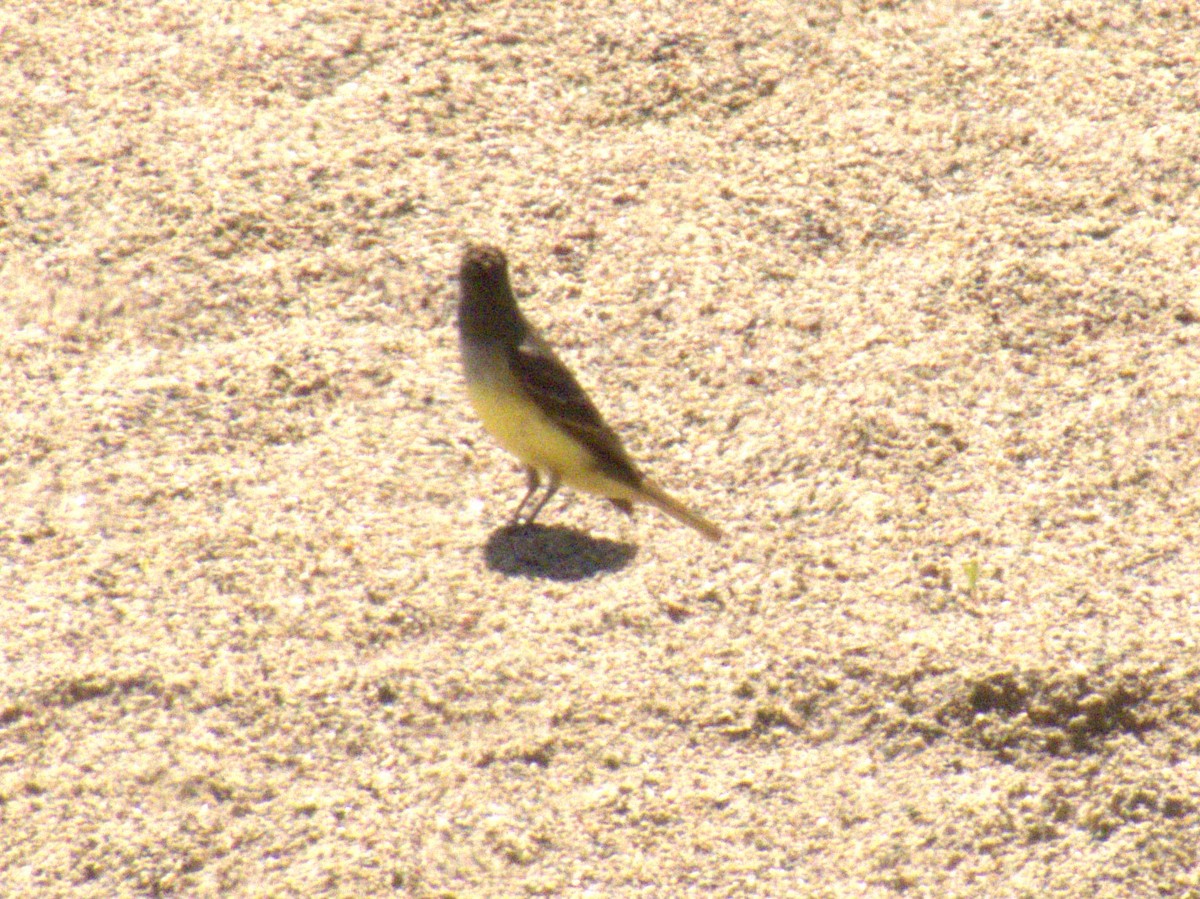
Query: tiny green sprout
971,569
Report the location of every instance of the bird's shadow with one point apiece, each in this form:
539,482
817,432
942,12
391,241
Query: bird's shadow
555,553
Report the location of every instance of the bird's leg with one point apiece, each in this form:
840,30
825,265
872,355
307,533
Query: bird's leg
532,481
551,489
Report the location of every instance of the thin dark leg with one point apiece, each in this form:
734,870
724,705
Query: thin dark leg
555,483
532,481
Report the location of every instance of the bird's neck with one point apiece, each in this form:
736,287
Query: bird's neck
482,318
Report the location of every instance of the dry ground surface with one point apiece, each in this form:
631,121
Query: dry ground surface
904,295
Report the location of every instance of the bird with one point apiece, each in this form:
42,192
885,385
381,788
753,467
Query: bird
531,403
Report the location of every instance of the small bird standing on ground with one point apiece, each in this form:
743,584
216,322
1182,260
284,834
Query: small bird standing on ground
532,404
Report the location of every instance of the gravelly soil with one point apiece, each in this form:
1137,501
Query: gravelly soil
904,295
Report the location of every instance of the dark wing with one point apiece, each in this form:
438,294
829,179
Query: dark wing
555,391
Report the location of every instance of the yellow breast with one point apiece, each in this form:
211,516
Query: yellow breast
522,429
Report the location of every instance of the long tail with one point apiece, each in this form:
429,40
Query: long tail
655,495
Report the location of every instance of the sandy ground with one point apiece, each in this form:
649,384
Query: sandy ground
904,295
